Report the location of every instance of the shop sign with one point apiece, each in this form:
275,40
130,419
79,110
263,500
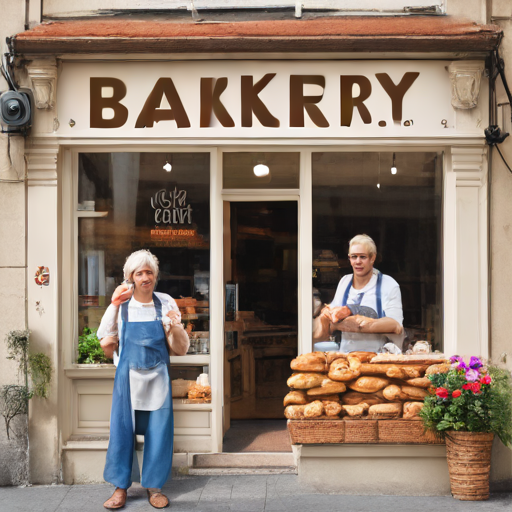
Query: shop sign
171,208
262,98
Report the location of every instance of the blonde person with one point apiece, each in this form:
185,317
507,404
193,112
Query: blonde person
367,306
148,327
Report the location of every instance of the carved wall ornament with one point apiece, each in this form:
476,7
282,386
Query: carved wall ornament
465,78
43,74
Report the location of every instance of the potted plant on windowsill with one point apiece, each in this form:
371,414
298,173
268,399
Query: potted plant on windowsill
470,404
89,348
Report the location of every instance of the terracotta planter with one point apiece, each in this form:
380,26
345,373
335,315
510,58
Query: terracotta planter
469,464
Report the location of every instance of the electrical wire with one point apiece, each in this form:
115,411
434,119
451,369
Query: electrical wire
503,158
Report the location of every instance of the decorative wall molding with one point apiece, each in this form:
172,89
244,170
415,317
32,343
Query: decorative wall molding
469,165
41,158
465,78
43,74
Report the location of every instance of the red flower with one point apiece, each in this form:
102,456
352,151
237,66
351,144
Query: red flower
467,386
486,379
475,387
456,393
442,392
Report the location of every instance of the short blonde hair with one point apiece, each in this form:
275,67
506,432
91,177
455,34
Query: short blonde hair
366,241
138,260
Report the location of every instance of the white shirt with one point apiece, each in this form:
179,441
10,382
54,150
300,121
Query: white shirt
391,300
148,388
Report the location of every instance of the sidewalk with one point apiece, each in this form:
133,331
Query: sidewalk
272,493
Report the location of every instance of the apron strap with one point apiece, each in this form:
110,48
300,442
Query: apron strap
158,307
378,294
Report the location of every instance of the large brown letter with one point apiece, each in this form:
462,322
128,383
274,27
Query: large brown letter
299,102
151,112
252,103
210,102
98,103
397,92
348,102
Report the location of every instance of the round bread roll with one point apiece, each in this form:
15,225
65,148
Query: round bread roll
295,398
314,409
367,384
345,369
412,409
331,409
294,412
305,380
312,362
393,393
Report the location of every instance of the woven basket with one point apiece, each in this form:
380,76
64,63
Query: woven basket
361,431
406,432
469,464
316,431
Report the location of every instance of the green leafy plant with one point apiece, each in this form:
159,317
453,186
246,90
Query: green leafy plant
14,398
470,398
89,348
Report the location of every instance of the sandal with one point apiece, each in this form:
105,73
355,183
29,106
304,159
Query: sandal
117,500
157,499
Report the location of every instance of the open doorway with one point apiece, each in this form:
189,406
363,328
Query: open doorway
261,322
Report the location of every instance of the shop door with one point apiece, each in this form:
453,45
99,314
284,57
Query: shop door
261,313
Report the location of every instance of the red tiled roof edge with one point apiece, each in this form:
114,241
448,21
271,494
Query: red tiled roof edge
324,34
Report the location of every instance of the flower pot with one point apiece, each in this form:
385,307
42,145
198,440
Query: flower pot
469,464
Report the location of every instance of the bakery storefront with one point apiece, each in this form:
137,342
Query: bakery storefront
247,178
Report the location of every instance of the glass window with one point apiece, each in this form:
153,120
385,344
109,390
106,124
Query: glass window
155,201
261,170
395,198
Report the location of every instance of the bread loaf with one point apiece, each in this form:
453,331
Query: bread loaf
368,384
327,387
420,382
314,409
331,409
294,412
414,372
312,362
345,369
332,356
385,411
354,398
394,372
305,380
364,357
393,393
329,398
295,398
355,411
414,393
438,368
412,409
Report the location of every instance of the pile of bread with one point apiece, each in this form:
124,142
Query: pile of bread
359,385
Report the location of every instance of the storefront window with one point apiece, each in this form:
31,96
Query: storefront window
261,170
155,201
395,198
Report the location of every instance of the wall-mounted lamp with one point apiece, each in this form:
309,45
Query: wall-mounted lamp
261,170
394,170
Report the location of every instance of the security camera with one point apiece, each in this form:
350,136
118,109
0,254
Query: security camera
15,111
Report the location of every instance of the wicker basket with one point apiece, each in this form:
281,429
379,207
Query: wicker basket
469,464
406,432
316,431
361,431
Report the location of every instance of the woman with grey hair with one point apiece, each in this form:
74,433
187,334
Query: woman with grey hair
367,306
142,328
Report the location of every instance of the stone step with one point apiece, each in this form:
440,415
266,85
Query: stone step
281,470
257,460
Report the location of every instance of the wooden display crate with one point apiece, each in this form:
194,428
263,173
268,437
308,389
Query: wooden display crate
360,431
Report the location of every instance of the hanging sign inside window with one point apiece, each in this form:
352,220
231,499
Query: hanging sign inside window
171,207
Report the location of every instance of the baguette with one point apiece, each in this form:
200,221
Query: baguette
414,393
412,409
420,382
294,412
312,362
305,380
385,411
364,357
327,387
295,398
438,368
314,409
368,384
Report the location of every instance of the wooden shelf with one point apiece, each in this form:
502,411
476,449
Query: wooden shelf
88,213
191,359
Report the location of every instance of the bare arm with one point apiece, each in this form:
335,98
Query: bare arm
178,340
359,323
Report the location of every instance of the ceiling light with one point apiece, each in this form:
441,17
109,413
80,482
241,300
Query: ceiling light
167,167
394,170
378,185
261,170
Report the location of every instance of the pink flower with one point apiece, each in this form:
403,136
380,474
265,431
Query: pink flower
456,393
442,392
472,375
486,379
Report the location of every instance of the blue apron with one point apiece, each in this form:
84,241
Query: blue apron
143,346
351,341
